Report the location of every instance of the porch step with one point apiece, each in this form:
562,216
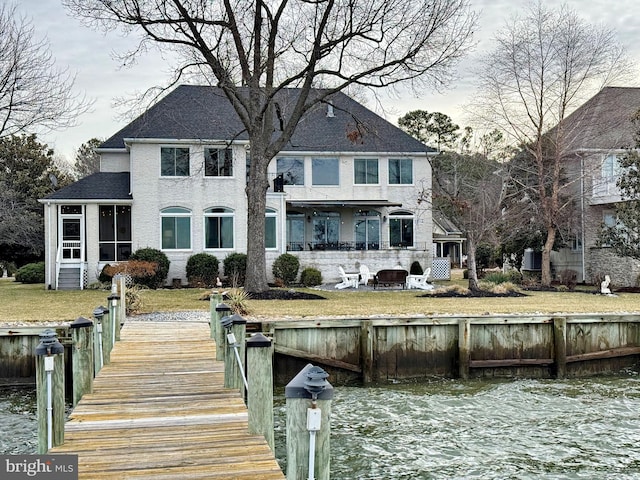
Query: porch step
69,279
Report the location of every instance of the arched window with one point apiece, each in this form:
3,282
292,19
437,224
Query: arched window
610,167
401,229
218,228
176,228
270,230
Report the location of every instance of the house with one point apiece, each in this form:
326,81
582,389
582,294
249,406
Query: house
597,134
344,191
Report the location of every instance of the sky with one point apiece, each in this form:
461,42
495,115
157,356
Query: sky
88,54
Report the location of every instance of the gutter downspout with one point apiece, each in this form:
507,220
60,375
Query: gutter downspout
582,203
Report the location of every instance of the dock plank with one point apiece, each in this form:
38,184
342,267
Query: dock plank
159,410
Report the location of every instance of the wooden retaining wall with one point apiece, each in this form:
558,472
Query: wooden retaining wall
390,349
17,350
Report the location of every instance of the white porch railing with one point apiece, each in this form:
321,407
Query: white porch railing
71,246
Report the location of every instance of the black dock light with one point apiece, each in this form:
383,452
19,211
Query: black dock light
223,309
226,322
316,381
98,313
49,344
48,347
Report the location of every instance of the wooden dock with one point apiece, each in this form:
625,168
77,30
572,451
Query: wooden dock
159,411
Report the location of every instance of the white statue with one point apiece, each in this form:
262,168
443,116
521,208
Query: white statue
604,286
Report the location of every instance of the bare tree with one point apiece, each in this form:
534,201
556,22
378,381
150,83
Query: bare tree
545,64
253,50
34,94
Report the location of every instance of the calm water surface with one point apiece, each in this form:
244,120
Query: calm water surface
449,429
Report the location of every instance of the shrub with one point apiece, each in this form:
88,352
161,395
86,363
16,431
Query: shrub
285,268
416,269
161,268
133,268
515,276
202,269
31,273
310,277
235,268
569,278
237,299
496,278
134,302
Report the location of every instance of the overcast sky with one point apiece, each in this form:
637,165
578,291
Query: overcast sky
88,54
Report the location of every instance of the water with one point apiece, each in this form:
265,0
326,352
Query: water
18,421
450,429
527,429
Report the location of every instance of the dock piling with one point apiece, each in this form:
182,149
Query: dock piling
82,357
260,390
308,404
50,391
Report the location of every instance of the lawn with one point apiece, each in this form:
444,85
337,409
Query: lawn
32,303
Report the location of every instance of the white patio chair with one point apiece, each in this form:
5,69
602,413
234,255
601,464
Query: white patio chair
349,280
420,281
365,275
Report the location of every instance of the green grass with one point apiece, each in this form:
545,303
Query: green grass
32,303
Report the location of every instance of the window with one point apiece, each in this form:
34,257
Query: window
174,162
325,171
401,229
291,169
270,232
218,162
295,231
367,230
365,171
218,228
611,167
176,228
114,233
326,228
400,171
609,218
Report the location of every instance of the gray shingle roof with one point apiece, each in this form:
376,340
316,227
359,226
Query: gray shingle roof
204,113
98,186
603,122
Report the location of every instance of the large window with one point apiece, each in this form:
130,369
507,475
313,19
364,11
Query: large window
291,169
295,231
115,233
325,171
367,230
176,228
401,229
270,231
400,171
611,167
218,228
218,162
174,162
326,229
365,171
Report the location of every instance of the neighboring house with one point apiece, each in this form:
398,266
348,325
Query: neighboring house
344,191
597,134
448,244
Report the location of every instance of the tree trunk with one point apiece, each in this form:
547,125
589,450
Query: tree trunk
546,256
256,190
471,264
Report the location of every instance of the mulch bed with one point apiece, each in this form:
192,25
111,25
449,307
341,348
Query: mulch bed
276,294
479,294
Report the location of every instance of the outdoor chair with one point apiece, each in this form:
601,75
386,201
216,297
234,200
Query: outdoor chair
365,275
420,281
349,280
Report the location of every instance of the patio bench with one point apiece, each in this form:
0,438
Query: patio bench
390,277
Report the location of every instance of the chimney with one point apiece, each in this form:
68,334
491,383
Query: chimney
330,113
